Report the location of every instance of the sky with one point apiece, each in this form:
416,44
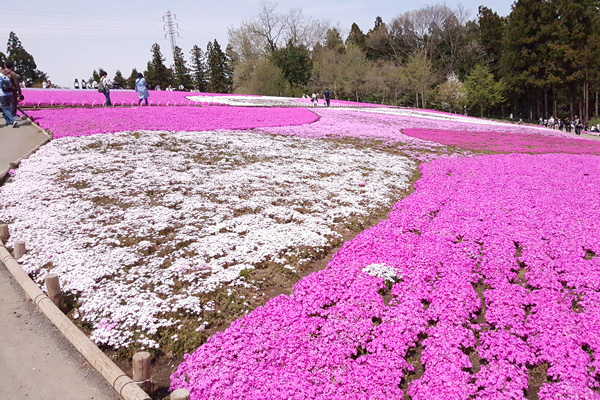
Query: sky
69,39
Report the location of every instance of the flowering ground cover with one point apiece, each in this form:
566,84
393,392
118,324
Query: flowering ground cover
85,97
482,284
158,234
89,121
506,142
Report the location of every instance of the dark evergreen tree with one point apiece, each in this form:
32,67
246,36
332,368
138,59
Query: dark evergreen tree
294,62
333,41
356,37
132,78
198,68
217,68
119,80
181,71
24,64
156,71
491,31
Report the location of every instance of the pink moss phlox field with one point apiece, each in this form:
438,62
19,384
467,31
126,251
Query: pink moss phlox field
89,121
342,103
89,97
497,273
392,128
507,142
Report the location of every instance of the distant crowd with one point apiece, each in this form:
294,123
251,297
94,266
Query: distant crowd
568,125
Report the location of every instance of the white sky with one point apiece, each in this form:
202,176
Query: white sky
69,39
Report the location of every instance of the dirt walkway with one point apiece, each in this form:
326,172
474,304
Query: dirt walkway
36,361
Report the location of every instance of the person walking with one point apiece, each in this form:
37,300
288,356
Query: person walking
315,100
140,88
10,73
6,100
327,96
76,84
104,87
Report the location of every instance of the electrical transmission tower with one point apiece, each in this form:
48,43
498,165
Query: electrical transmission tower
170,27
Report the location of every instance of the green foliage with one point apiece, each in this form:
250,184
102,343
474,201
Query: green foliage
356,37
24,64
492,28
294,62
333,41
198,68
451,95
266,80
119,80
482,90
219,70
182,73
156,71
132,78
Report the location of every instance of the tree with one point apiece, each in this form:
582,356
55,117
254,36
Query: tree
294,62
156,71
356,37
132,78
482,89
119,80
491,31
420,76
333,41
181,71
354,71
266,79
198,68
24,64
218,81
451,95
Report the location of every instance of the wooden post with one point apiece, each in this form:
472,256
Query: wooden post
20,249
104,365
4,234
53,289
180,394
141,370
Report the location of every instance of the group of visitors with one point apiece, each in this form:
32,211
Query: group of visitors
106,84
10,93
566,124
91,84
326,96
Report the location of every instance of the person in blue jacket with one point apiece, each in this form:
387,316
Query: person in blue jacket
140,88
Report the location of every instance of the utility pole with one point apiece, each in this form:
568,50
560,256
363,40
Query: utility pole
170,27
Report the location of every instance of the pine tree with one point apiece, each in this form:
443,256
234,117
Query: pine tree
356,37
181,71
491,30
24,64
132,78
119,80
157,74
198,68
217,68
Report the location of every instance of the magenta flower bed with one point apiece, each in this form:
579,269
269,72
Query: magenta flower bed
89,121
496,275
89,97
507,142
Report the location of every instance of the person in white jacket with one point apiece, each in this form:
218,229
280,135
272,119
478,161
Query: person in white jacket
106,83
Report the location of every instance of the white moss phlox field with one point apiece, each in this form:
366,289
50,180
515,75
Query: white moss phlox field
140,224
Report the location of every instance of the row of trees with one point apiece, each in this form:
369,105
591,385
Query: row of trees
23,61
207,71
540,60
